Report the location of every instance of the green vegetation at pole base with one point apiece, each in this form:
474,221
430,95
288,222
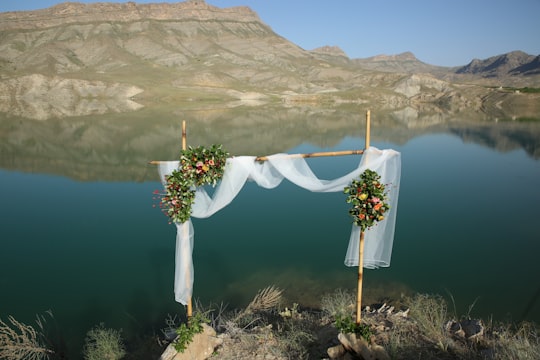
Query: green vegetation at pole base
347,325
186,332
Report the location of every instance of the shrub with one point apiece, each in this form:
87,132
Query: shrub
103,344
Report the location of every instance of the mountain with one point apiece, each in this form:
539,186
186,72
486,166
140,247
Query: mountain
510,64
528,68
405,62
194,53
73,12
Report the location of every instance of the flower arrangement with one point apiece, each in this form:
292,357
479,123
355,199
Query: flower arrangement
368,197
198,166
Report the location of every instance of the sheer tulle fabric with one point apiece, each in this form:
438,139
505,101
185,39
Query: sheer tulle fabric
269,174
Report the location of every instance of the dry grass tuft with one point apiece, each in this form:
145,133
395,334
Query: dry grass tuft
522,343
339,303
265,299
21,341
431,315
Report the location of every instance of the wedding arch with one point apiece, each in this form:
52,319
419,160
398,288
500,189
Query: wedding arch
370,249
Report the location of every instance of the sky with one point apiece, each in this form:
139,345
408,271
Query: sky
437,32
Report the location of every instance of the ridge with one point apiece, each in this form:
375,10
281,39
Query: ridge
73,12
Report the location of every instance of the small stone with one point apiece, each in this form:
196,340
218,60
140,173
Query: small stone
335,352
473,328
404,313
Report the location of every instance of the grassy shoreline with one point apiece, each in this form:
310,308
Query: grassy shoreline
415,327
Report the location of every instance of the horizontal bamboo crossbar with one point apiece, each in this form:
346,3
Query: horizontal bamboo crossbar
318,154
308,155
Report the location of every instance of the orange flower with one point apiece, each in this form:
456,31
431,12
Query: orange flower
377,206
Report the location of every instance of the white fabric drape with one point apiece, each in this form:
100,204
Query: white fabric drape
269,174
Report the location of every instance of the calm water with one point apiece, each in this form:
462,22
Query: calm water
97,251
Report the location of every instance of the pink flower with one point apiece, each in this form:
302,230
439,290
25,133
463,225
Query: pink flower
375,200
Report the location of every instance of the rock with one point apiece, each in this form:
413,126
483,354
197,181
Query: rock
201,347
355,344
358,346
404,313
469,329
336,352
473,328
169,353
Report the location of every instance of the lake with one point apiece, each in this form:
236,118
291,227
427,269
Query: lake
79,235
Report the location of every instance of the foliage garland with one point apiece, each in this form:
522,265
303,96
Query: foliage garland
368,197
198,166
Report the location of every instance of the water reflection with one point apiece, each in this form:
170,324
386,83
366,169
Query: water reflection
114,146
39,97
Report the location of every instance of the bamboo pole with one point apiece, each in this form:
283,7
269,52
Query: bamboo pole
184,145
317,154
360,279
361,240
368,128
185,225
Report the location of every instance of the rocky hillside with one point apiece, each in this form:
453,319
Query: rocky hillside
403,63
515,63
74,12
187,51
